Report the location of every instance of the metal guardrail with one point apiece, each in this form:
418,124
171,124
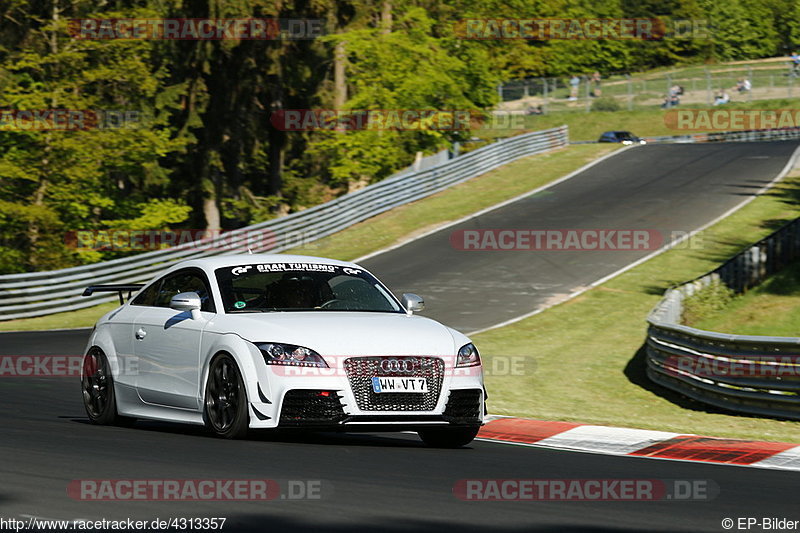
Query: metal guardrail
43,293
782,134
752,374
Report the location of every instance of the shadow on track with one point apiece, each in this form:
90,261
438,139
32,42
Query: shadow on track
260,523
636,372
283,436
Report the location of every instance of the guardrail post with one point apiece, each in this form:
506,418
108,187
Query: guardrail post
544,89
588,93
629,83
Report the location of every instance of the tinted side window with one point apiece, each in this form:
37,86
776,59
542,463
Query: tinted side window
185,282
147,296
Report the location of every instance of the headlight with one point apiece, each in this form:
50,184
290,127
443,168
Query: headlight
288,354
468,356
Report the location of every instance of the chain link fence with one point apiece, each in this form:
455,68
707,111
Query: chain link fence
693,86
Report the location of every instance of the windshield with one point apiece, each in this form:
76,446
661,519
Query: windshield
301,287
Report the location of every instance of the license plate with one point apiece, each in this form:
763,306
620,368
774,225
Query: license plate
382,385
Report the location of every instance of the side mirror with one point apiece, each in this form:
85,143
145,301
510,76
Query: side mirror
412,303
187,301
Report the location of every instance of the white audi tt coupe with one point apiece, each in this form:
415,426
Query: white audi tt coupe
281,341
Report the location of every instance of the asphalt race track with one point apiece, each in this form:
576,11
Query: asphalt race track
390,482
666,188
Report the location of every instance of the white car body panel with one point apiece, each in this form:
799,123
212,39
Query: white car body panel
169,357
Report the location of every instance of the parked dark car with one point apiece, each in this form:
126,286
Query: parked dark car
624,137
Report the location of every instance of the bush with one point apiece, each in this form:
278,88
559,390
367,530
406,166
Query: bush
606,103
705,302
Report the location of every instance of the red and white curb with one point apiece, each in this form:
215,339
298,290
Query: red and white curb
641,443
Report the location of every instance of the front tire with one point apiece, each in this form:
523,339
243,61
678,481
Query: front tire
448,437
99,396
225,411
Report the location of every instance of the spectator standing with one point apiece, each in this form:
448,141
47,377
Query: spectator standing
575,83
596,83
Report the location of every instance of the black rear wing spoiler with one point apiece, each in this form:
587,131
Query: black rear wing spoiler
130,288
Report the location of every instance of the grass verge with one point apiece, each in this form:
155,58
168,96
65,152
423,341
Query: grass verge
82,318
401,223
585,354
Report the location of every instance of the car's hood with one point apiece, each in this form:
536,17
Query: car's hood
344,333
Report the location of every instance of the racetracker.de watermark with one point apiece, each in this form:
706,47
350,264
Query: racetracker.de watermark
196,29
122,240
382,119
578,490
546,29
68,119
731,119
196,489
405,366
765,366
61,366
536,240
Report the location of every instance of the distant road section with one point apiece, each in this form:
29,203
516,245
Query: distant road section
515,259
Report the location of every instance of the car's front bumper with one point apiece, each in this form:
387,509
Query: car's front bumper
336,399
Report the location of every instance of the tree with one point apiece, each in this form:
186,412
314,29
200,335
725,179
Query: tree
64,180
405,68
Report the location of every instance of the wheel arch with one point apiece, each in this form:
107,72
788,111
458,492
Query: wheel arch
102,340
236,348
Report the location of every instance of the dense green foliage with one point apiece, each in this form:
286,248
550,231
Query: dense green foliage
204,153
705,302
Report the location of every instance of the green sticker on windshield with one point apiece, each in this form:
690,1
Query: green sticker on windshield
239,305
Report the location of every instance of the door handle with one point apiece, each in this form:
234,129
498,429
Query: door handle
140,334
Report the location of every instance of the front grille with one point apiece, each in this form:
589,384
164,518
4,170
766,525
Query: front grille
361,370
308,407
463,406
